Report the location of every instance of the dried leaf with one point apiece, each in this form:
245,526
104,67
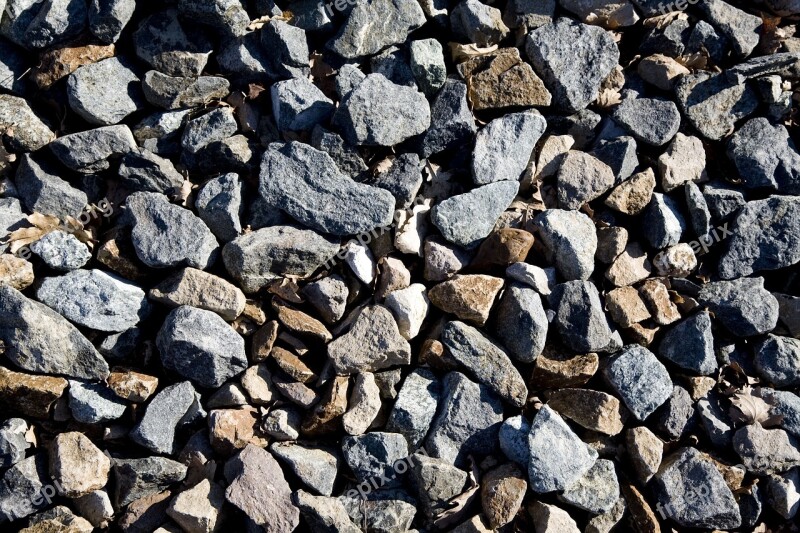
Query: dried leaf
771,38
42,225
181,196
319,68
751,409
462,52
608,98
254,90
383,165
662,21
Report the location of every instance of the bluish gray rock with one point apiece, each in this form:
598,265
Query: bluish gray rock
639,379
513,437
573,59
558,458
595,491
95,299
42,191
452,124
219,204
743,306
620,156
172,46
89,151
765,156
777,359
570,242
650,120
427,65
40,340
12,68
715,419
690,345
29,132
166,235
13,443
521,322
373,26
142,170
104,93
723,200
345,155
107,18
288,50
579,316
328,296
166,413
478,23
348,78
315,466
766,451
784,403
175,92
415,406
503,147
435,482
298,105
485,360
228,17
120,345
663,223
713,104
699,212
403,179
200,346
393,63
373,455
467,218
216,125
137,478
94,403
21,486
306,184
674,417
158,132
43,24
741,28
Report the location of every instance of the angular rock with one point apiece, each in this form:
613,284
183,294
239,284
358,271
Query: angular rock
329,297
142,170
713,104
766,451
570,242
13,443
522,322
29,132
61,251
166,413
410,307
502,492
778,360
316,467
104,93
427,65
298,105
435,482
89,151
42,191
197,509
94,403
107,18
373,343
743,306
626,306
690,345
216,125
31,395
202,290
645,450
591,409
415,406
741,28
663,222
683,162
287,45
579,316
581,179
175,92
77,465
597,491
323,513
633,195
551,519
137,478
650,120
479,23
364,404
469,297
21,486
452,124
639,379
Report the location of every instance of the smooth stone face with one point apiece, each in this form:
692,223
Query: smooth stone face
596,491
580,319
378,112
558,458
373,343
40,340
374,26
42,191
306,184
30,133
165,414
522,323
166,235
693,492
94,403
61,251
573,59
639,379
88,151
415,406
743,306
201,346
778,360
649,120
316,467
570,242
690,345
104,93
467,218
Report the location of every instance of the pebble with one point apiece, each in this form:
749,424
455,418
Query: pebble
61,251
469,296
502,492
569,240
15,272
597,491
505,145
202,290
579,316
78,465
684,161
410,307
93,403
777,359
360,260
219,204
104,93
171,409
591,409
650,120
633,195
316,467
581,179
363,406
743,306
373,343
639,379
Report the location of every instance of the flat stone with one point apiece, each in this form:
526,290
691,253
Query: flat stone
42,191
502,79
104,93
581,179
176,92
639,379
569,240
650,120
415,406
597,491
522,322
299,322
778,360
201,290
503,148
89,151
555,371
469,297
30,395
713,104
591,409
366,31
541,279
690,345
78,465
167,413
257,384
316,467
138,478
633,195
743,306
580,319
61,251
146,513
94,403
29,132
363,406
373,343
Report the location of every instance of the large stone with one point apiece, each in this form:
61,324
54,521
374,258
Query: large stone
639,379
741,28
374,26
766,451
522,322
202,290
94,403
765,156
29,132
582,178
570,242
778,360
596,491
44,24
142,170
315,466
452,124
89,151
42,191
580,319
21,486
104,93
743,306
78,465
373,343
415,406
30,395
469,296
228,17
713,103
166,413
107,18
690,345
138,478
650,120
172,46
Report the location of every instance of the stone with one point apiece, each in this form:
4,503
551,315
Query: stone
78,465
690,345
229,17
541,279
360,260
434,482
611,243
713,104
324,513
21,486
107,18
89,151
282,423
146,513
478,23
513,438
765,156
363,406
13,443
345,155
633,195
591,409
386,512
403,179
597,491
15,272
305,183
199,345
299,322
427,65
620,155
684,161
639,379
579,316
366,31
673,418
176,92
693,493
657,298
645,450
131,385
139,478
374,455
29,132
467,421
501,79
96,508
469,296
216,125
95,299
259,257
452,123
329,297
504,147
12,67
287,45
522,322
558,458
166,414
93,403
581,179
551,519
373,343
626,307
561,49
605,522
650,120
741,28
327,413
104,93
661,70
166,235
784,493
743,306
551,155
197,509
299,105
443,260
766,451
663,222
676,261
410,307
569,240
42,191
142,170
202,290
467,218
777,359
257,384
30,395
415,406
40,340
502,492
219,204
375,113
502,248
61,251
231,430
316,467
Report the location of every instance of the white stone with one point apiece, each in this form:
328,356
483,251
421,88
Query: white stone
410,307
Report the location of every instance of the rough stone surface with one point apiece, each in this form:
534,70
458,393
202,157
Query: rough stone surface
570,242
639,379
373,343
504,147
469,296
104,93
743,306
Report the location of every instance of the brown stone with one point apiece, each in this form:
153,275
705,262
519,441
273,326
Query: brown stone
661,71
645,450
61,62
644,518
468,296
502,492
626,306
257,382
132,385
699,386
633,194
551,154
197,509
434,355
611,242
393,275
233,429
118,254
656,297
194,287
591,409
29,395
643,334
554,371
551,519
476,524
502,79
502,248
327,415
145,514
263,340
15,271
78,465
293,365
630,267
301,323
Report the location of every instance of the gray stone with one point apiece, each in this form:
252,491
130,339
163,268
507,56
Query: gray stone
315,466
202,290
529,14
137,478
373,26
373,455
478,23
741,28
166,413
765,237
328,296
690,345
766,451
107,18
597,491
513,437
452,124
40,340
283,423
784,403
363,405
326,515
573,59
254,259
541,279
403,179
142,170
467,421
699,212
467,218
486,360
166,235
216,125
579,316
378,112
120,345
246,58
385,512
200,346
435,483
558,458
95,299
505,145
176,92
94,403
11,217
784,493
345,155
13,65
13,443
348,78
42,191
442,260
89,151
715,420
723,200
777,359
229,17
521,322
427,65
373,343
673,418
172,46
298,105
104,93
28,132
305,183
393,63
759,67
743,306
620,156
663,222
766,156
415,406
639,379
43,24
581,179
693,492
713,104
21,486
219,204
650,120
288,50
158,132
570,241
